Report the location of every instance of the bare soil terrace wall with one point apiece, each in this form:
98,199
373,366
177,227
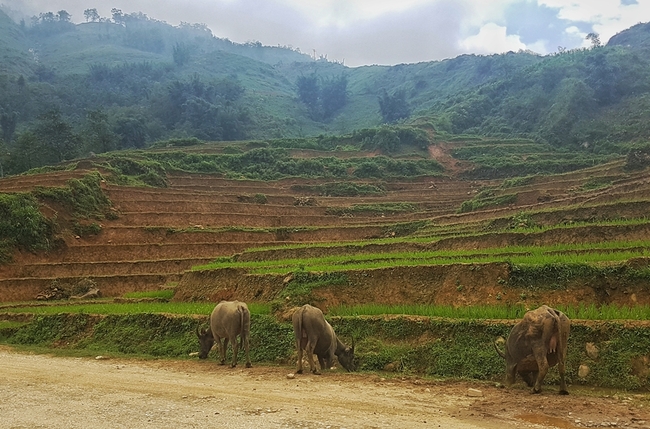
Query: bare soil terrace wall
455,285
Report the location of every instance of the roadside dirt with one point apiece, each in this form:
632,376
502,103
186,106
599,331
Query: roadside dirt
56,392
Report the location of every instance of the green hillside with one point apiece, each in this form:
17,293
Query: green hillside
130,80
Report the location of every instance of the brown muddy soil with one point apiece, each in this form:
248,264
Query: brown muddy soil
454,285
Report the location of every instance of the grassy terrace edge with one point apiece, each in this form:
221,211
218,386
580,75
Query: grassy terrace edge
559,254
474,312
406,345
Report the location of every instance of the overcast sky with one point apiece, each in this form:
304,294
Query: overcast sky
363,32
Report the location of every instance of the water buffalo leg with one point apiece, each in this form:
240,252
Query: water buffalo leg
542,365
301,344
222,350
311,345
511,371
246,346
235,349
561,367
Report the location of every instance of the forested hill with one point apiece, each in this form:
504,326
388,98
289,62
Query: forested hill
128,80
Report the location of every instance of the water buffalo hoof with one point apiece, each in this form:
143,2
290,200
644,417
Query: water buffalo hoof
299,371
564,392
536,391
316,372
233,365
248,365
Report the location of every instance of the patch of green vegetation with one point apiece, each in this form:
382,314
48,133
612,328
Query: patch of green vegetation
271,341
638,158
84,197
562,257
22,225
9,324
404,229
178,142
400,344
388,139
379,208
517,181
298,290
163,294
620,347
53,329
511,166
493,312
474,312
108,307
260,199
486,199
341,189
50,168
559,275
143,334
522,221
596,183
134,169
272,164
84,230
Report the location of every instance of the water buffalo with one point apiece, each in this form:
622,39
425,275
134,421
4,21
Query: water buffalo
228,320
536,343
316,336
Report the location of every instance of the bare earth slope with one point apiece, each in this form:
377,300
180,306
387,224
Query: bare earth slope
44,391
161,233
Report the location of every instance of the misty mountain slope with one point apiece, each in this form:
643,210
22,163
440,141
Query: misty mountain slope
15,57
148,81
637,36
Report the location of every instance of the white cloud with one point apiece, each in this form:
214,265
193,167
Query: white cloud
481,12
492,39
583,10
343,13
384,31
540,47
607,17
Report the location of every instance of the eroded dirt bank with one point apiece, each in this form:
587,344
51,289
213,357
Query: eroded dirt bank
54,392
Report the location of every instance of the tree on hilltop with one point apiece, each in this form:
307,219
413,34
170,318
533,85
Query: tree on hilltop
393,107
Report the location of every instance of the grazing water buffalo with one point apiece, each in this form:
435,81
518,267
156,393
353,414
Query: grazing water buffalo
228,320
316,336
536,343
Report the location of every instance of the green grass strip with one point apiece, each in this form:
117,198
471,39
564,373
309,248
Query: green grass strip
490,312
607,252
185,308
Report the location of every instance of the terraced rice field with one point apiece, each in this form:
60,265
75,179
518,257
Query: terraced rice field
161,233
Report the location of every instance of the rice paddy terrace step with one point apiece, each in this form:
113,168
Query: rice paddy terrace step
26,183
26,289
140,252
112,235
101,268
161,232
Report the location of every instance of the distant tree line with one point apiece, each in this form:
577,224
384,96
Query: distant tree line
184,108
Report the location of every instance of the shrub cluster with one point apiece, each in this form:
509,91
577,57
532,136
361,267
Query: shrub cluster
22,225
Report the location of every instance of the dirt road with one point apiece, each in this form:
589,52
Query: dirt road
38,391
